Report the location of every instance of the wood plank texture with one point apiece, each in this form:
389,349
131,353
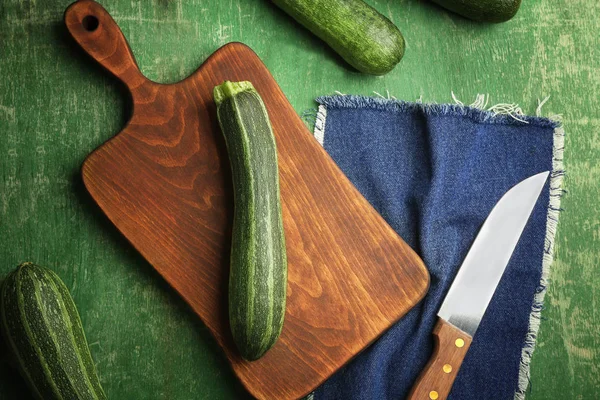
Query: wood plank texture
56,107
164,182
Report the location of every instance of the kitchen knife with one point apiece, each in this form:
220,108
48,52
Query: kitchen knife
473,287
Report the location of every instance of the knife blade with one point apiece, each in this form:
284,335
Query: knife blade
474,286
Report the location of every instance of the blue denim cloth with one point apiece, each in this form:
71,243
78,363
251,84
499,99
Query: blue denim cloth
434,172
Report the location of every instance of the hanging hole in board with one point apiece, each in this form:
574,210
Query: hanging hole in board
90,23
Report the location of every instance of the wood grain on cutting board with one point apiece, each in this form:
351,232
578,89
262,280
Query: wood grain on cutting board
164,182
56,107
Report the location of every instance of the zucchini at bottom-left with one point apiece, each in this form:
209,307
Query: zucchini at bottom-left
43,333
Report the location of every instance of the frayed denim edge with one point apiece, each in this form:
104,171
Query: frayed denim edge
399,106
319,130
556,192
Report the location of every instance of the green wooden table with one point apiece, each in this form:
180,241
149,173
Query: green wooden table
56,106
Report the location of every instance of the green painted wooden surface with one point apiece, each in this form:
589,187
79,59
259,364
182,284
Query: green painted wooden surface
56,106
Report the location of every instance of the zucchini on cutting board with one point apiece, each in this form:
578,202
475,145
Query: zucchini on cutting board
258,273
43,332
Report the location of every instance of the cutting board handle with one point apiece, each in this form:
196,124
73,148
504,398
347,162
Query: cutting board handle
99,35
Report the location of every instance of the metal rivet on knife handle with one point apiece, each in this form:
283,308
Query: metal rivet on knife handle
459,342
439,373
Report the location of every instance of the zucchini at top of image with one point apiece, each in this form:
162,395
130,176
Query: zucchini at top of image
483,10
362,36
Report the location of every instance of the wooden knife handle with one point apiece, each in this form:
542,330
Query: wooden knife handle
451,346
99,35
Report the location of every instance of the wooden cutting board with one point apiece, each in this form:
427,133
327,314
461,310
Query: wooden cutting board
164,181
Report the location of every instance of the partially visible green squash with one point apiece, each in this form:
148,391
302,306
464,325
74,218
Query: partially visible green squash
483,10
43,332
